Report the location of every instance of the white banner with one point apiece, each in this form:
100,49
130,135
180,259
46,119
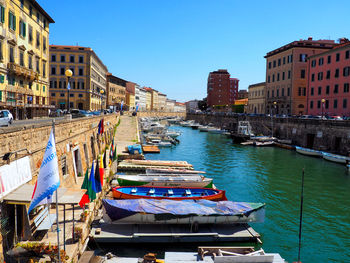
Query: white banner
14,175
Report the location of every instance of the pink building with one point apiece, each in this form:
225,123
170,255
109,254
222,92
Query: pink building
328,81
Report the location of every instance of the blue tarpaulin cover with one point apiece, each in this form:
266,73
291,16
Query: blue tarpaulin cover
118,209
135,147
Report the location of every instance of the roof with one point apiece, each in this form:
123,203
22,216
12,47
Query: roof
309,43
334,49
241,102
257,84
41,10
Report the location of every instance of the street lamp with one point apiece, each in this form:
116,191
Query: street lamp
68,74
101,91
323,101
274,105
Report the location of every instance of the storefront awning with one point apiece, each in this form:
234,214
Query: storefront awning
23,195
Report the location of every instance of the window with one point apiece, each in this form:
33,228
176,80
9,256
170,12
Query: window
337,57
30,61
63,58
335,104
336,75
12,57
80,95
346,87
328,75
44,90
268,94
278,93
62,70
319,91
320,76
302,74
278,76
81,60
268,79
53,70
22,3
37,65
44,44
30,10
71,59
37,17
346,71
327,89
273,94
53,94
53,58
81,71
336,88
12,21
22,28
311,104
327,104
290,58
318,104
274,63
30,34
37,39
288,91
45,24
313,63
329,59
283,75
312,77
303,57
312,91
2,14
304,91
71,95
345,103
61,94
269,63
282,92
299,91
284,60
289,74
44,70
347,54
82,84
273,77
279,62
72,69
320,61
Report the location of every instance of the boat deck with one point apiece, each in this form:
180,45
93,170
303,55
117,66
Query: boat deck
150,149
114,233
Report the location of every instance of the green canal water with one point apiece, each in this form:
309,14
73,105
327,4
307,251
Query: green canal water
273,176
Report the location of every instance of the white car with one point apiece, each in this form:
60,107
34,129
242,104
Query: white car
6,118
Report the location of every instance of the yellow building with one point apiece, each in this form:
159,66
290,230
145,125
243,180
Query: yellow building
24,56
116,91
88,84
148,99
256,96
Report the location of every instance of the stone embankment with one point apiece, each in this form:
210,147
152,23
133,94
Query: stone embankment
326,135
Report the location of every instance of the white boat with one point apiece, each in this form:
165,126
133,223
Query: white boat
336,158
216,130
172,134
164,211
172,171
307,151
187,123
159,143
171,180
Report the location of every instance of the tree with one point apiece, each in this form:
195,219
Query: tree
202,104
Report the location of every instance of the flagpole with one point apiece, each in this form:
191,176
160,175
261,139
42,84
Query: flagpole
57,221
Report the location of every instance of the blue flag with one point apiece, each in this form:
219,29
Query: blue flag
137,107
68,86
92,178
121,106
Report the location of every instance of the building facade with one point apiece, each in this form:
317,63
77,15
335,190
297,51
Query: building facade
192,106
142,99
161,102
221,89
242,94
130,94
88,84
170,105
286,76
24,54
154,99
256,98
148,99
179,107
116,91
328,92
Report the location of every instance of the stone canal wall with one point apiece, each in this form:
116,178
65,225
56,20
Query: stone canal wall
326,135
161,114
76,143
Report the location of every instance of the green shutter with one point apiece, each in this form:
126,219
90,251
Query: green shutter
43,88
0,95
10,18
14,22
2,78
2,14
24,29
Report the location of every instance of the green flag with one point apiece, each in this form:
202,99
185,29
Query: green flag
115,153
85,184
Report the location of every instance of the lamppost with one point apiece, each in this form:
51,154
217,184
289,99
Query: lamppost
68,74
274,105
101,91
323,101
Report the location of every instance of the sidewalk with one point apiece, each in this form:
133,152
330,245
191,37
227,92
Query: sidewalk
126,133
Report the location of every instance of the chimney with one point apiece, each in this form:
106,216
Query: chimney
309,38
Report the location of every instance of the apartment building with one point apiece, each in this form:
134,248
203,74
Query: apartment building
256,98
116,91
88,84
24,53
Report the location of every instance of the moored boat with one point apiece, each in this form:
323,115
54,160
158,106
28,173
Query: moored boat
335,158
174,193
172,171
307,151
152,211
165,180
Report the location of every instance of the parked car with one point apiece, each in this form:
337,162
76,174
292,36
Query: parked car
6,118
56,113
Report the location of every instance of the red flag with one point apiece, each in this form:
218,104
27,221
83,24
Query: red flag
84,200
103,126
101,170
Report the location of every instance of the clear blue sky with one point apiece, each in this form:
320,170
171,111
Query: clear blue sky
172,45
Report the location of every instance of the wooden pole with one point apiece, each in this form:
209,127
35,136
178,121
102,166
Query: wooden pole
301,212
57,220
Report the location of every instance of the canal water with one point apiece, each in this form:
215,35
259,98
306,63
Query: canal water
273,176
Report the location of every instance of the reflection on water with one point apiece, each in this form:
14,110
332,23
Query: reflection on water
273,176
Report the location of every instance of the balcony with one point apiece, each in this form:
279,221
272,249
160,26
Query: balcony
22,71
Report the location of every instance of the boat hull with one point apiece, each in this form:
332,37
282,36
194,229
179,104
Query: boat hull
219,195
309,152
206,183
335,158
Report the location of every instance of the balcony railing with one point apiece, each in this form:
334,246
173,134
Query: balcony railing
22,71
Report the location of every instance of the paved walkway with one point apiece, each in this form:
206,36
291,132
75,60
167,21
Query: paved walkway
126,132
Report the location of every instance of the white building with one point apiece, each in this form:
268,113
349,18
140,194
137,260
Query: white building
170,105
180,107
161,102
141,98
192,106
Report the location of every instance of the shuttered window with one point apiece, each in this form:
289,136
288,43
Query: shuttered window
2,14
12,21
